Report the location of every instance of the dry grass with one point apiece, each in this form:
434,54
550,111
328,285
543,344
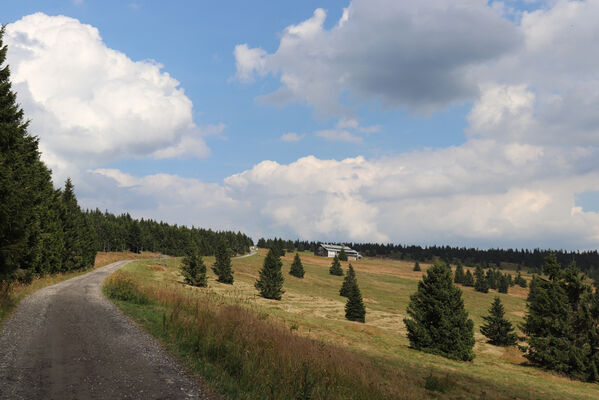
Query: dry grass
313,308
104,258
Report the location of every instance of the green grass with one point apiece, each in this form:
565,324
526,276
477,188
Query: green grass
314,310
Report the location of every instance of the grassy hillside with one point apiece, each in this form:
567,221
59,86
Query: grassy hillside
312,308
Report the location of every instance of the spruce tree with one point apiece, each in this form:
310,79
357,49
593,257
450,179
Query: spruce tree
270,280
336,267
497,329
30,232
438,322
348,282
222,264
417,267
459,275
492,278
354,307
342,255
75,230
468,279
562,322
193,269
480,282
297,269
503,284
520,281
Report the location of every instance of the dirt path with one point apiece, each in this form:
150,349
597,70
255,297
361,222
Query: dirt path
68,341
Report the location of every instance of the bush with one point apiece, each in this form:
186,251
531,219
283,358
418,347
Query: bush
120,286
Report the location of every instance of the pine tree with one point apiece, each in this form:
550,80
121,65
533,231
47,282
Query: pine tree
520,281
497,329
270,281
417,267
459,275
438,322
348,282
193,269
74,228
222,264
491,278
342,255
336,267
503,284
562,322
297,269
354,307
480,283
468,279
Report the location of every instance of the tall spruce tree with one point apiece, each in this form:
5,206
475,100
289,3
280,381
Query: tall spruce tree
497,329
77,247
222,264
336,267
27,199
459,275
417,267
348,282
468,279
438,322
193,269
562,322
297,269
480,281
354,307
342,255
491,277
520,281
270,280
503,284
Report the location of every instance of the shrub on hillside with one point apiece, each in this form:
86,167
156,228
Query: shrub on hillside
336,267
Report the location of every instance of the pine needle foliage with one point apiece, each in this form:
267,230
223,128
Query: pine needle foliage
336,267
562,323
480,282
342,255
417,267
222,264
438,322
193,269
354,307
348,282
468,279
297,269
497,329
270,280
503,284
459,275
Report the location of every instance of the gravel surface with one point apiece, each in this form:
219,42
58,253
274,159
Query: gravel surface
67,341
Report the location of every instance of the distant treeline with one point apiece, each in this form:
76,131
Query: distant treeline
119,233
531,260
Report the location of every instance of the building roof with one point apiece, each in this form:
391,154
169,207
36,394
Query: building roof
335,247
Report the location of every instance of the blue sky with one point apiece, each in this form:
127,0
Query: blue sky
451,125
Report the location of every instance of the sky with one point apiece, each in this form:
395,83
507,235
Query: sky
458,122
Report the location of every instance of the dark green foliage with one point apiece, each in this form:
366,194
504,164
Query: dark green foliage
562,322
270,281
503,284
417,266
520,281
336,267
480,281
297,269
121,233
459,275
438,322
193,269
497,329
510,280
492,277
348,282
35,238
354,307
222,264
468,279
342,255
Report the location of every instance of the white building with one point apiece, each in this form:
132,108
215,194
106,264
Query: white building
331,250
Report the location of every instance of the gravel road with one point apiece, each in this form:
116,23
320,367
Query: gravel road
67,341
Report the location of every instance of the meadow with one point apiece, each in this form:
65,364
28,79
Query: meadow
308,325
